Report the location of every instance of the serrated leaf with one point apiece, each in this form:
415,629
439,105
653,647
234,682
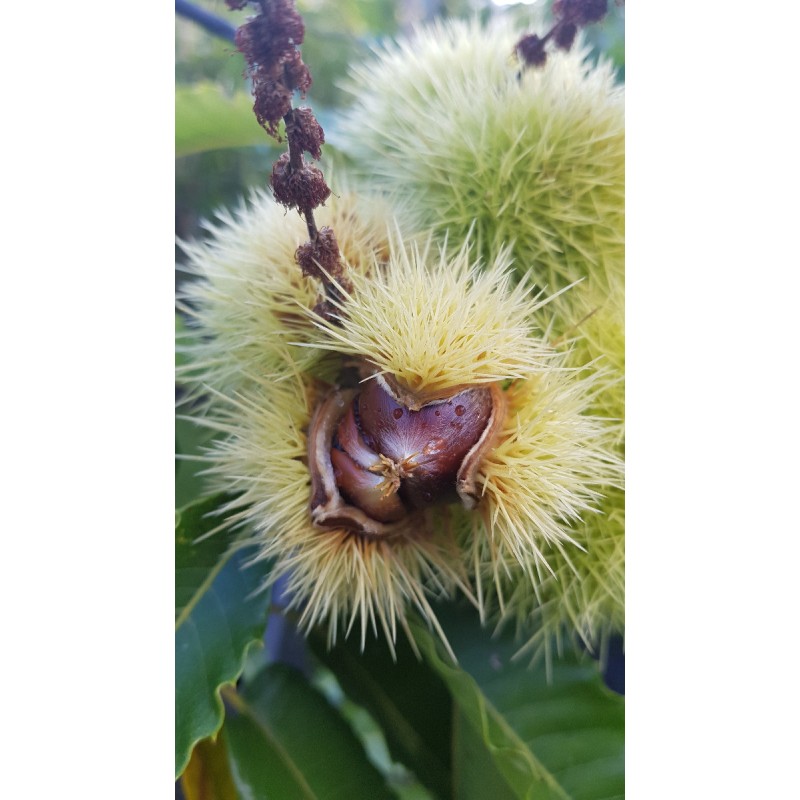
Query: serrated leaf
219,614
406,698
560,740
287,742
208,118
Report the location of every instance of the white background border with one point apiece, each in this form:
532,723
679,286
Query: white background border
87,325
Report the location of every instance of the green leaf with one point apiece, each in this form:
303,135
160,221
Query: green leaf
407,699
208,118
190,439
180,335
195,561
287,742
558,739
219,614
475,774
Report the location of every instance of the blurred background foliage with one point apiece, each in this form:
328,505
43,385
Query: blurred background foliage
221,152
300,720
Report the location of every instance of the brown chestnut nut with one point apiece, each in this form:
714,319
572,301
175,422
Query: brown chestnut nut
374,460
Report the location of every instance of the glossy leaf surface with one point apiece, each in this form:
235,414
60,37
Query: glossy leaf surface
559,739
287,742
406,698
219,614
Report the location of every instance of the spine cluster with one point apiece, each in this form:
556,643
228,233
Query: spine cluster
269,42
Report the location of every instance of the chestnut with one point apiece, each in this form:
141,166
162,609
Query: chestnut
375,460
